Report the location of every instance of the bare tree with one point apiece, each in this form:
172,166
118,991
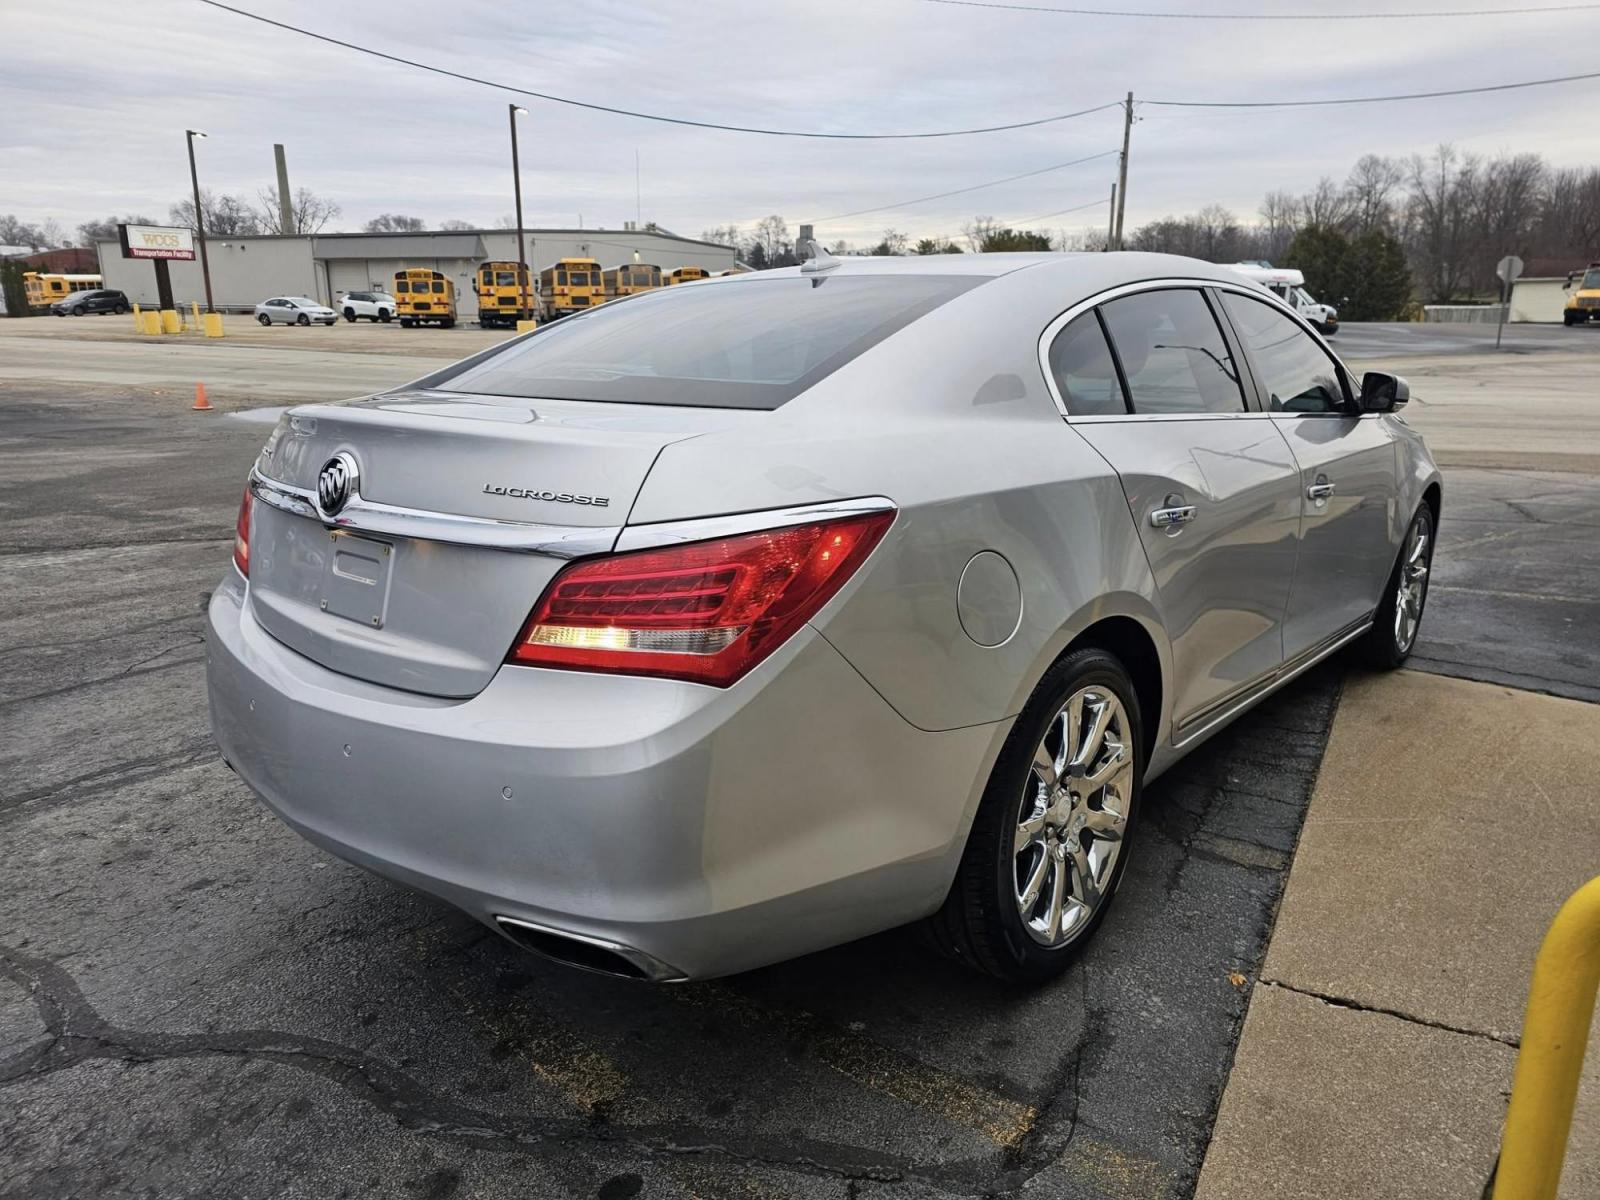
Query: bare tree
772,235
15,232
395,223
979,232
91,232
308,213
1442,187
457,226
226,216
1569,214
722,235
1280,221
1372,188
1327,205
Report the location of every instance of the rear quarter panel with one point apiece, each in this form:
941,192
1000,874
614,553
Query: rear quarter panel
951,420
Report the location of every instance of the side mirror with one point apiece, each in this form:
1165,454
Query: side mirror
1382,392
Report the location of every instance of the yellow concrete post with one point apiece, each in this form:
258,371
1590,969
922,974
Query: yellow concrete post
194,309
169,321
150,323
213,324
527,326
1555,1034
138,320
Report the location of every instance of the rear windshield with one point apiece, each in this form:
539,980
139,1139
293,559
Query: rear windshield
756,343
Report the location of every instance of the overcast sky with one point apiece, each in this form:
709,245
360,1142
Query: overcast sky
94,99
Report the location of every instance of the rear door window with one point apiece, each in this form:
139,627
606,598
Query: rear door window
1085,375
1172,353
750,343
1296,374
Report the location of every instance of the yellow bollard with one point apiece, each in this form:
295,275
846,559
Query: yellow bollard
527,326
194,309
169,321
213,324
138,319
150,323
1555,1034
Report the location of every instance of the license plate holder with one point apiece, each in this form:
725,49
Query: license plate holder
355,581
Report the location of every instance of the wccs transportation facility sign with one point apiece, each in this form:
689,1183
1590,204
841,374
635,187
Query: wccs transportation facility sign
156,241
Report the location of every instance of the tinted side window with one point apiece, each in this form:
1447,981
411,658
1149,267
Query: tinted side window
1292,369
1080,362
1172,353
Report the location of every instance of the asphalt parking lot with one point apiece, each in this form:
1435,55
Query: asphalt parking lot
193,1001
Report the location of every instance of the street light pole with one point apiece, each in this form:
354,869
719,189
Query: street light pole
199,216
522,248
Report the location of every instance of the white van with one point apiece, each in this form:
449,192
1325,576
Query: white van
1289,286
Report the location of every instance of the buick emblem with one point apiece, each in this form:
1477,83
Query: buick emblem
336,484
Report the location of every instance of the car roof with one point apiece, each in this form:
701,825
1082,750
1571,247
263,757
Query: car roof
1094,271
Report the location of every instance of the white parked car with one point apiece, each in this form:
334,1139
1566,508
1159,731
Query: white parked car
375,306
294,310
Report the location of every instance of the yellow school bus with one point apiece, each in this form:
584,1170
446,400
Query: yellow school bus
685,275
570,286
505,295
44,288
631,278
424,297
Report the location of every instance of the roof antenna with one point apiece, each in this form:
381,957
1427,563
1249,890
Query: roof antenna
817,260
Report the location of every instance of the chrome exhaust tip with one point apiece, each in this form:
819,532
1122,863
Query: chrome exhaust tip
587,953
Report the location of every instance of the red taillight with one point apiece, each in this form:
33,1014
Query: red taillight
703,611
241,534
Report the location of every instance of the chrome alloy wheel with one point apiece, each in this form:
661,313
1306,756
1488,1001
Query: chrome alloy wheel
1075,806
1412,588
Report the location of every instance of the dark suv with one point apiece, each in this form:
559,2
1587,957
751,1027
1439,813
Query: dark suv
95,300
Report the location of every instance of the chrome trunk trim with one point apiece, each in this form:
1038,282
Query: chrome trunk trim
393,520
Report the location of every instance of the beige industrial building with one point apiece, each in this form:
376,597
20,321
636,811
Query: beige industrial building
248,270
1540,293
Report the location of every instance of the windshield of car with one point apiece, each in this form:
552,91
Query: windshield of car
1303,297
302,302
83,295
750,343
1591,278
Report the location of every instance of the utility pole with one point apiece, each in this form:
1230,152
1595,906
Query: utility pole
199,223
1122,169
1111,222
522,246
285,201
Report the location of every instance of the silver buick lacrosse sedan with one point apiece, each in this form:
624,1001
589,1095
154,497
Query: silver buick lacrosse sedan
728,622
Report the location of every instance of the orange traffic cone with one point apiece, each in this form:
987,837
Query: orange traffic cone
201,404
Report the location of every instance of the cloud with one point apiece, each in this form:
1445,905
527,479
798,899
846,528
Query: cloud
94,101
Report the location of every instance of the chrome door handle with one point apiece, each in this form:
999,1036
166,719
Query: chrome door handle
1166,518
1319,491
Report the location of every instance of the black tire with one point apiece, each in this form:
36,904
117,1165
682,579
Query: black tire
448,323
1387,644
120,309
302,319
980,924
406,322
384,315
263,318
350,315
78,312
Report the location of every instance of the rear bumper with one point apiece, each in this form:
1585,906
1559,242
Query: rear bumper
710,830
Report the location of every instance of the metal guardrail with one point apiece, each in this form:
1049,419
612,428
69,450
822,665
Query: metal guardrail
1471,314
1555,1034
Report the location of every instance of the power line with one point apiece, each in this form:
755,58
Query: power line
1238,16
861,212
1471,91
646,116
1061,212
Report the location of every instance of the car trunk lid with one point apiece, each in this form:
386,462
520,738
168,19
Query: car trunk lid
463,510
